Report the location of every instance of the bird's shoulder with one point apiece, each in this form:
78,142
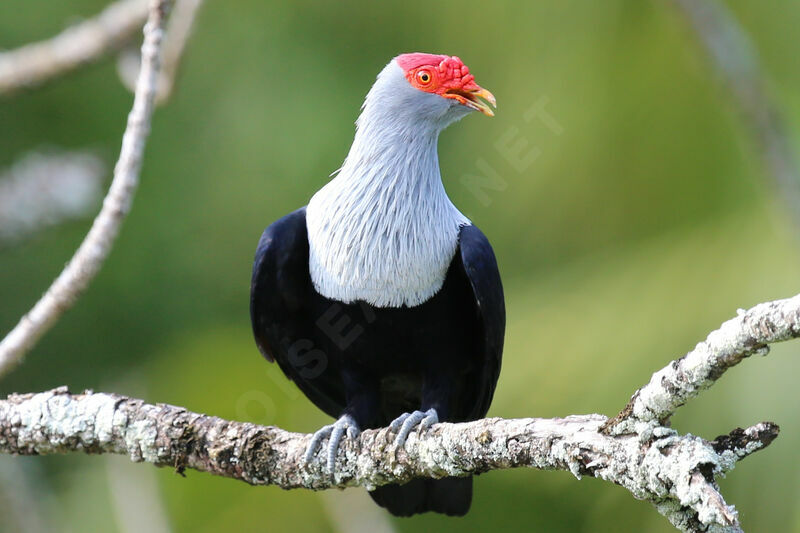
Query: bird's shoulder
480,269
280,279
480,263
283,240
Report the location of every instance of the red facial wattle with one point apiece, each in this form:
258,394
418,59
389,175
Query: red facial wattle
448,77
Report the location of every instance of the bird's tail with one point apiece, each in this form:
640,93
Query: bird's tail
451,496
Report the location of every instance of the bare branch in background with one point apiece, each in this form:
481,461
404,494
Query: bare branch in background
634,450
36,63
45,188
180,28
733,57
89,257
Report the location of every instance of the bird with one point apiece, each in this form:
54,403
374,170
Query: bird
379,298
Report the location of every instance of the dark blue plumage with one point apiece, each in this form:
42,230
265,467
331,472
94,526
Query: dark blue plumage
380,299
377,363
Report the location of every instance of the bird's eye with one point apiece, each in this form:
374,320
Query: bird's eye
423,77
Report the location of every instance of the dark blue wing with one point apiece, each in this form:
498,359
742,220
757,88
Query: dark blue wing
280,278
280,311
480,267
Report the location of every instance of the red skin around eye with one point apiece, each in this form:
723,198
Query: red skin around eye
415,78
447,72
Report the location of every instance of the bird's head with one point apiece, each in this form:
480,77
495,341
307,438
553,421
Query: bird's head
437,89
447,77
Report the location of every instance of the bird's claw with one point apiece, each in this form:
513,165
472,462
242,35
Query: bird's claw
336,431
404,424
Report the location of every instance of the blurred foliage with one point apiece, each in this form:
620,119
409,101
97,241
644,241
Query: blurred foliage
637,230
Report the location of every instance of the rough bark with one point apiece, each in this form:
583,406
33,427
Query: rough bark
634,449
670,470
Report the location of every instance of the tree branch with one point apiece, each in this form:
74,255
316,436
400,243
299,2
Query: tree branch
636,449
180,28
89,257
78,45
747,334
675,472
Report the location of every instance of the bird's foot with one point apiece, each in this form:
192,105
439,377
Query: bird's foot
336,431
404,424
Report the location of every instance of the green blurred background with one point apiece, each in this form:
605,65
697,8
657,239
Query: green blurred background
644,221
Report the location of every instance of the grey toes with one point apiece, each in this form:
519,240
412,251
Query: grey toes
405,423
397,423
335,433
316,440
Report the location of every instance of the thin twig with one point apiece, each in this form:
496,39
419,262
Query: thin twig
180,28
36,63
89,257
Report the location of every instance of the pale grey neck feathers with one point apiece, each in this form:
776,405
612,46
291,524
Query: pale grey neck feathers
384,230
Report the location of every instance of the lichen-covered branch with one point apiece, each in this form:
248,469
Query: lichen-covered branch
661,470
36,63
749,333
635,450
92,252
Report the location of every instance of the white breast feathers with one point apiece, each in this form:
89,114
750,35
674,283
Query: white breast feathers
383,230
